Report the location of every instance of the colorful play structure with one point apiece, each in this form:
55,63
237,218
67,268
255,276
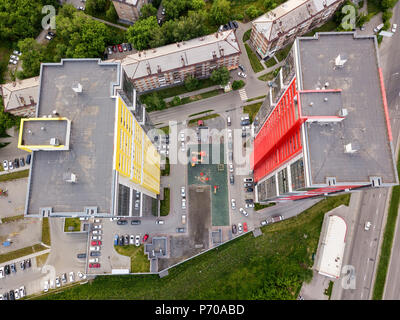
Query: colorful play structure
197,157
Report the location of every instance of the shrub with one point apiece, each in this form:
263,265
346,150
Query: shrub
387,15
237,84
191,83
176,101
269,4
252,12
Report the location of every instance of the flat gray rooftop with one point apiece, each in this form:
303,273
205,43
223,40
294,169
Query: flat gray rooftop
365,125
320,103
41,131
90,157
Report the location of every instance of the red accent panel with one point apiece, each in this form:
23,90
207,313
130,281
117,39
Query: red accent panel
389,128
317,192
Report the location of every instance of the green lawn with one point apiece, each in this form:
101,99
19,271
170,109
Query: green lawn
211,116
166,129
246,35
14,175
139,261
256,98
254,61
165,172
282,54
196,114
196,97
271,266
387,244
11,219
267,77
258,206
270,62
252,110
373,7
75,223
330,25
46,231
164,204
21,252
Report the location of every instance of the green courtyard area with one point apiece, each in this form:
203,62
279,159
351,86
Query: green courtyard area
214,174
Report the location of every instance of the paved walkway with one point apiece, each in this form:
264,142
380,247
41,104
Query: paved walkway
193,93
109,23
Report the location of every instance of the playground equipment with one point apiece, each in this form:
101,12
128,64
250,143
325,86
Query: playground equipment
197,157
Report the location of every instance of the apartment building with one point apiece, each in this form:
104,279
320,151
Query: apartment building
324,126
90,151
129,10
172,64
20,97
279,27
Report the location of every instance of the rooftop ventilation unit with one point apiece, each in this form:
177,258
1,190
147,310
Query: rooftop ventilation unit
326,99
43,128
376,181
349,149
78,88
343,112
326,84
330,181
311,104
71,178
339,62
55,113
54,142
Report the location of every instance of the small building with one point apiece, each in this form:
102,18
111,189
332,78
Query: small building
128,10
332,247
172,64
20,97
279,27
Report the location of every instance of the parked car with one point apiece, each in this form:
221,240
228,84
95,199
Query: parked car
249,190
230,156
248,179
28,159
46,286
183,203
233,204
235,24
64,278
58,282
234,229
248,184
182,136
116,238
16,163
394,27
13,267
22,265
180,230
231,179
122,222
264,222
137,204
120,48
121,240
126,240
135,222
230,167
97,232
95,254
114,48
94,265
12,296
7,269
16,294
47,37
28,263
96,243
183,193
159,221
71,276
81,8
17,52
240,227
98,226
2,275
14,57
109,50
244,212
367,225
10,165
249,205
81,275
378,27
242,74
129,46
132,239
277,218
245,227
21,162
93,260
137,241
145,237
5,165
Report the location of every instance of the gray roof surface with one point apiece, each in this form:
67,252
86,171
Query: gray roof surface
52,129
319,106
90,157
365,125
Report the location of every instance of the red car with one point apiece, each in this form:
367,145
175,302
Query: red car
245,226
120,48
96,243
94,265
114,48
145,237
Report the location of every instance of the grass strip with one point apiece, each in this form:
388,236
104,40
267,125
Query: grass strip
164,204
21,252
14,175
139,261
75,223
196,114
211,116
258,206
46,231
255,63
252,110
256,98
12,219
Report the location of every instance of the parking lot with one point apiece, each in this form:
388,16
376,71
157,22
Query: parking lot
13,204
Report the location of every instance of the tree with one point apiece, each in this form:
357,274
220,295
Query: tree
269,4
197,4
220,76
154,102
95,6
220,11
252,12
191,83
111,13
147,11
32,56
237,84
140,34
174,8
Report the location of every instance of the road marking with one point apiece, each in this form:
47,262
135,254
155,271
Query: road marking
370,245
377,210
365,277
243,94
380,195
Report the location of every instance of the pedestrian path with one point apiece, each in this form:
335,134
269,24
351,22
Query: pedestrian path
243,94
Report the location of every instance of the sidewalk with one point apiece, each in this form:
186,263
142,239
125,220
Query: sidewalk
193,93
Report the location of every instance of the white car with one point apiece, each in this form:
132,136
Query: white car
159,221
182,136
97,220
10,165
137,241
93,260
244,212
183,193
230,167
132,239
1,272
5,165
248,180
378,28
16,52
367,225
97,232
58,283
22,292
183,203
16,294
264,222
394,27
241,74
12,61
137,204
46,286
95,248
240,227
47,37
96,237
233,204
182,146
249,205
98,226
229,134
183,218
81,8
71,276
81,275
14,57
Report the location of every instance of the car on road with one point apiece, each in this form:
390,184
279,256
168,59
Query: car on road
183,193
180,230
94,265
245,227
95,254
231,179
182,136
5,165
394,27
145,237
242,74
159,221
58,282
46,286
233,204
71,276
277,218
183,203
122,222
135,222
116,238
137,241
234,229
132,239
367,225
240,228
243,212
